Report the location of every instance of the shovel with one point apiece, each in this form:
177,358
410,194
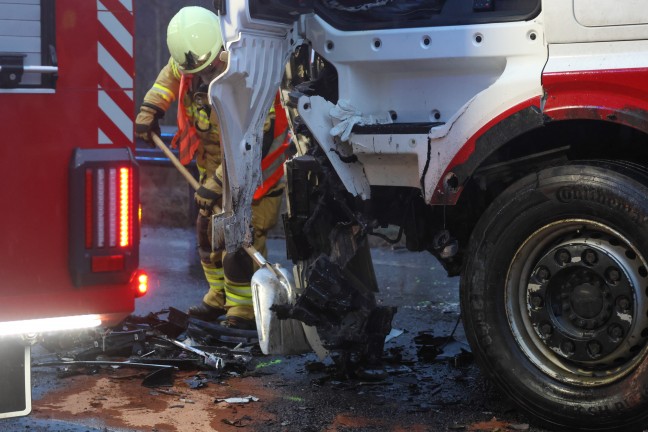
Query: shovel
271,284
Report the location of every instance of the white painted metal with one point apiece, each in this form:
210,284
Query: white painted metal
563,26
116,34
600,13
597,56
242,97
463,75
315,112
467,75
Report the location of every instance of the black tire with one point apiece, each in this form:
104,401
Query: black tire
564,335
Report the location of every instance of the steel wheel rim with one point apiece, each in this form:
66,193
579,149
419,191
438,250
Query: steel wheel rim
578,303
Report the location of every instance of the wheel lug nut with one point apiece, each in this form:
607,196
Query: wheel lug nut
613,274
590,257
536,301
563,256
594,348
567,347
623,303
543,273
615,331
546,329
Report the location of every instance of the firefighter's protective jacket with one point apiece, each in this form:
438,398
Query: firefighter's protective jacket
202,119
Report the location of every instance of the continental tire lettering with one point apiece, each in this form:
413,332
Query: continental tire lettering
599,410
569,194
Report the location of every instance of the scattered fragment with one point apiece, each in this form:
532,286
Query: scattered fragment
315,366
398,369
242,422
443,348
197,382
394,333
519,427
294,398
168,392
160,378
490,426
238,400
211,360
104,363
268,364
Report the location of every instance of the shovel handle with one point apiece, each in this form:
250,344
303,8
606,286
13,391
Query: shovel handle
184,171
255,255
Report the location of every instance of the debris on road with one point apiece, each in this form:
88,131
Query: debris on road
443,349
150,342
238,400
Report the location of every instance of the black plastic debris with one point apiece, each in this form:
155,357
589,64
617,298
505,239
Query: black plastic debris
242,422
208,333
432,348
198,382
151,342
159,378
115,344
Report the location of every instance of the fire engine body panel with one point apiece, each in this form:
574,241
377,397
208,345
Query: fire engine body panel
508,138
70,182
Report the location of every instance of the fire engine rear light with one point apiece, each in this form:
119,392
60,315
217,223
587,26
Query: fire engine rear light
112,207
89,199
104,231
100,228
49,324
125,213
142,285
110,224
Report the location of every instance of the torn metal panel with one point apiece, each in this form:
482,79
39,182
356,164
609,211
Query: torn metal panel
242,97
315,111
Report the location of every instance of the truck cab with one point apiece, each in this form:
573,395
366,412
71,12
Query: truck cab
508,138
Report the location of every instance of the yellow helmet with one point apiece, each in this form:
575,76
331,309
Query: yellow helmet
194,38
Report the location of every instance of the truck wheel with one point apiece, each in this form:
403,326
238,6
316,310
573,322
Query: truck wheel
554,295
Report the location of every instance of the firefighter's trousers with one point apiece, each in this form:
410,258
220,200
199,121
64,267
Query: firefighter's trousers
229,275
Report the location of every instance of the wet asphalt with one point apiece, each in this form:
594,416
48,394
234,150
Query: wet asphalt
442,394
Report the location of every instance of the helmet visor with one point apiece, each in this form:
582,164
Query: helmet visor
192,62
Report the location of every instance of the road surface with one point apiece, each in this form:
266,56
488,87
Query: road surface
296,393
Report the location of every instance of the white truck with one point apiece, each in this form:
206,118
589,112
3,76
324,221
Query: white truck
506,137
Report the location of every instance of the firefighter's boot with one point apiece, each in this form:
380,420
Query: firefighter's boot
205,312
238,291
213,304
232,321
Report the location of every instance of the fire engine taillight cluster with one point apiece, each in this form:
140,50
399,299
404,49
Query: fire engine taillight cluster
108,207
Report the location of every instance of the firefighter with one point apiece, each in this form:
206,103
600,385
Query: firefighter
197,56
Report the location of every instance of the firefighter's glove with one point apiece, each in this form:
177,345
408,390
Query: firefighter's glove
209,194
147,122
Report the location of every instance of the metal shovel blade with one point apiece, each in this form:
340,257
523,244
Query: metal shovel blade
281,337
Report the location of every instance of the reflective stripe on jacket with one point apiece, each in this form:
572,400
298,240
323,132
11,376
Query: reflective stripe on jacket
272,165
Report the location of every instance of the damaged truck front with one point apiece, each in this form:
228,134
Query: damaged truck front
508,138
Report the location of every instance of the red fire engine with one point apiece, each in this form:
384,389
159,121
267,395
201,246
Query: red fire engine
69,225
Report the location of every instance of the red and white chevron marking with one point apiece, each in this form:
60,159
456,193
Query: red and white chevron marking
115,86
